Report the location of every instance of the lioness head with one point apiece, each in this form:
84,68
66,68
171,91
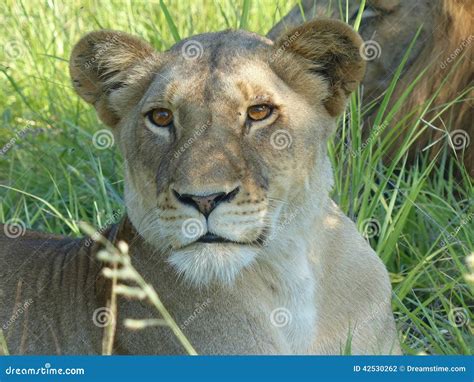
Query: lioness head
223,135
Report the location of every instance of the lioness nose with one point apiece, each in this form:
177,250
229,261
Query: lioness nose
206,203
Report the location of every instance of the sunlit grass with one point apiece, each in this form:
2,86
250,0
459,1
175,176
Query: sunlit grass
55,177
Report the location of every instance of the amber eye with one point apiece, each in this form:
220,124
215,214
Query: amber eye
161,117
259,112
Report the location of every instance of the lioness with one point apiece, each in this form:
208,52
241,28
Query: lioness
228,209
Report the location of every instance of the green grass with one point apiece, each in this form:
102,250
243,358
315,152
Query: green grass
422,214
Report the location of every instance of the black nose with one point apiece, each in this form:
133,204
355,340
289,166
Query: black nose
206,203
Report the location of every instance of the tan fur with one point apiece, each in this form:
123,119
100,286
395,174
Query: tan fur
446,29
295,276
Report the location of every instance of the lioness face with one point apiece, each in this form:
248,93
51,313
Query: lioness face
218,146
208,185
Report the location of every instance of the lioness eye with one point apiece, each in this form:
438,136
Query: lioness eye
161,117
259,112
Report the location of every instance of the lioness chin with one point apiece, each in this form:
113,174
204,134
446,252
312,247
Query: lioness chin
227,183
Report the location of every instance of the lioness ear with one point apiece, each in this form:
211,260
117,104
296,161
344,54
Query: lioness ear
103,62
332,49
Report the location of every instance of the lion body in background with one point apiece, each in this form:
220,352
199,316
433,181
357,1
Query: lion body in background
443,50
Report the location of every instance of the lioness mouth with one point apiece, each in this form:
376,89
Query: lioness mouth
212,238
